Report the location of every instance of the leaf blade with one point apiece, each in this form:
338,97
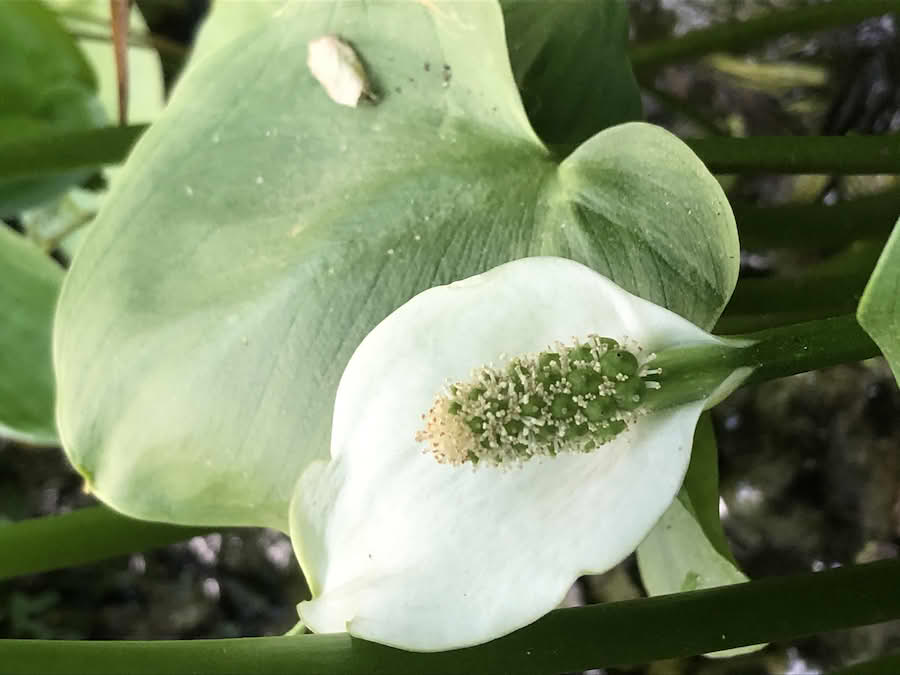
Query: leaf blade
879,309
331,217
571,63
28,294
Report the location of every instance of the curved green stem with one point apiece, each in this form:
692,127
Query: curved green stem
82,536
742,35
817,225
619,633
799,154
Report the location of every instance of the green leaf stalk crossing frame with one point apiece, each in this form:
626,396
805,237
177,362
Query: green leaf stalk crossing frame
619,633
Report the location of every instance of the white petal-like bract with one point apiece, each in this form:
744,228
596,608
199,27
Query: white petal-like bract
403,550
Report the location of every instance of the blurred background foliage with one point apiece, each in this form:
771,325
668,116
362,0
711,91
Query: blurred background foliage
810,474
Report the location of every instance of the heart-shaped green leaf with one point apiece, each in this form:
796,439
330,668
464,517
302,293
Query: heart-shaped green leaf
29,284
879,309
687,549
571,63
45,85
260,230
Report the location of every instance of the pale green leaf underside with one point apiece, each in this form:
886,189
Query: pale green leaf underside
29,284
700,492
687,549
260,230
879,309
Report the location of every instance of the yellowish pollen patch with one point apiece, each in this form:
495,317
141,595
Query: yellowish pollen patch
449,437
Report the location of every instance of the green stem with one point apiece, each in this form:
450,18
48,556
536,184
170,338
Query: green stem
79,537
800,154
690,373
51,243
163,45
788,350
742,35
166,48
816,225
619,633
56,153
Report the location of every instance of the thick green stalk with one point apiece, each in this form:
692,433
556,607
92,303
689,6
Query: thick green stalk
79,537
66,151
817,225
619,633
689,373
59,153
788,350
742,35
800,154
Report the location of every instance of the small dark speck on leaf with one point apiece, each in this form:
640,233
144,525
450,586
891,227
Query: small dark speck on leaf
398,90
427,66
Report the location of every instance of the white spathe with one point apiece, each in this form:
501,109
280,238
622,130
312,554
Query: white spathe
402,550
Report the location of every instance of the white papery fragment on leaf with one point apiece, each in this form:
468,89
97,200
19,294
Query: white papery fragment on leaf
338,69
405,551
